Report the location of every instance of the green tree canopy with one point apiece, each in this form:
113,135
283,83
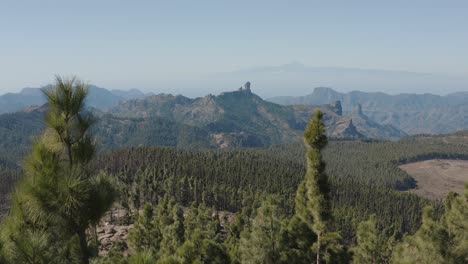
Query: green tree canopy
313,195
59,197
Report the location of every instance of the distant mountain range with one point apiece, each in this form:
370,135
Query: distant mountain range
242,113
242,117
297,79
232,119
411,113
98,97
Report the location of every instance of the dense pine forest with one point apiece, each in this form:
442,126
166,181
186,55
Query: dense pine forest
319,201
234,177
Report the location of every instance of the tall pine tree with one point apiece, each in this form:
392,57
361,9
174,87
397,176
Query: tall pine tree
59,198
313,195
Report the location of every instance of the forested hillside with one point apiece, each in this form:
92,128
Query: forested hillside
369,163
234,179
376,162
339,201
242,180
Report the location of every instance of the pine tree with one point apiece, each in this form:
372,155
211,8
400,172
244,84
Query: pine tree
241,222
144,236
59,197
199,250
298,239
427,245
213,252
161,231
173,233
114,256
143,257
456,221
2,253
262,245
313,194
369,248
199,220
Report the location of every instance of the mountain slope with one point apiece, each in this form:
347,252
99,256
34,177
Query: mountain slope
373,129
231,119
238,113
412,113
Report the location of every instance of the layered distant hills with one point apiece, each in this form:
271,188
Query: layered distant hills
98,97
244,115
232,119
411,113
243,119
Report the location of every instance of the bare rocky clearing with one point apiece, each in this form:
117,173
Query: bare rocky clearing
436,178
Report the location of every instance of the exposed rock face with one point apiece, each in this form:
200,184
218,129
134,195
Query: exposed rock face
351,131
336,107
262,123
246,87
431,114
231,119
358,110
343,128
235,140
109,235
372,129
348,130
41,109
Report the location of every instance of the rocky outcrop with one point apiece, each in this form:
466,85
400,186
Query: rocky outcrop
346,129
336,107
411,113
245,88
109,235
262,123
358,110
231,119
372,129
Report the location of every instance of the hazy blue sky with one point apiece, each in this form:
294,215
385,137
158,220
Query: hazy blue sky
144,44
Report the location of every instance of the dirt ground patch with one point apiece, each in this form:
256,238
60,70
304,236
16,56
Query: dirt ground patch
435,178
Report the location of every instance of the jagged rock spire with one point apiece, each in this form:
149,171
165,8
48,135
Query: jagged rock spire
358,109
337,108
246,87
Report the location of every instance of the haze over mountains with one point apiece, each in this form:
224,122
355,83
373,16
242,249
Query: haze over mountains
98,97
243,115
411,113
242,118
297,79
232,119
